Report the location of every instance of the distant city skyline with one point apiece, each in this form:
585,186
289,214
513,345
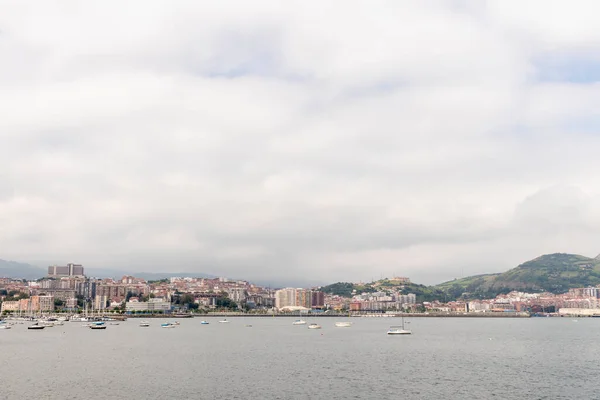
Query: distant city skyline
299,143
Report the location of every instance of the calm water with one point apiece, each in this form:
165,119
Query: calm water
537,358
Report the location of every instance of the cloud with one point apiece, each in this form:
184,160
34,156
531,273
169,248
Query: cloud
294,142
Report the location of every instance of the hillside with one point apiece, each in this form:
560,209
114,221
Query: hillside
555,273
17,270
423,293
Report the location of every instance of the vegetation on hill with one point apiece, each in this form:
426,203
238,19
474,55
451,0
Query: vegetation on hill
423,293
556,273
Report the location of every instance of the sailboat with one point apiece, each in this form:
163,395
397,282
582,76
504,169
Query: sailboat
398,330
344,324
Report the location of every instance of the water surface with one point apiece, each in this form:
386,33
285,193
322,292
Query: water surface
445,358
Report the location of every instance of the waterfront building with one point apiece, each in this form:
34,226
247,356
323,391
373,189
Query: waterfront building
318,299
237,294
100,302
10,306
152,305
303,298
42,303
285,298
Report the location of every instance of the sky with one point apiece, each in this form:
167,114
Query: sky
299,141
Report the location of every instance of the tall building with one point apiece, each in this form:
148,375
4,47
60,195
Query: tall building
71,269
303,298
285,298
41,303
318,299
237,294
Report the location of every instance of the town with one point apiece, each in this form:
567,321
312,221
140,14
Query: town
67,289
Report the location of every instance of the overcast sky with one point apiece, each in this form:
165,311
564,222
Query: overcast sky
299,141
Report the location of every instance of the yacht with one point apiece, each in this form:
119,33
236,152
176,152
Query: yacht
314,326
98,325
343,324
167,325
204,322
299,322
144,324
224,321
399,329
36,326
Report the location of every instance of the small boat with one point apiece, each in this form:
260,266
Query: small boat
114,323
299,322
36,326
176,323
398,329
3,326
204,322
224,321
343,324
97,326
167,325
144,324
248,326
314,326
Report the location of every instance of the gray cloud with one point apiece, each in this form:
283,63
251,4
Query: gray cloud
287,142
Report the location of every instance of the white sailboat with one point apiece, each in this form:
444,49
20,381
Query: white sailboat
343,324
399,329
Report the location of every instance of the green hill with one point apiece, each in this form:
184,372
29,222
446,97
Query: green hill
423,293
555,273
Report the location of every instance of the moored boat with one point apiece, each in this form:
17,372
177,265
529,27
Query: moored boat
398,329
144,324
343,324
299,322
314,326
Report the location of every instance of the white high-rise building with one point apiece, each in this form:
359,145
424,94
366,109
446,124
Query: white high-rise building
285,298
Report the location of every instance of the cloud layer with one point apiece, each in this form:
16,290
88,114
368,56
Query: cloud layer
299,142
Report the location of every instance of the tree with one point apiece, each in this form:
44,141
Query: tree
58,303
226,302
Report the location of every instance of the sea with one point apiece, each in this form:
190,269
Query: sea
444,358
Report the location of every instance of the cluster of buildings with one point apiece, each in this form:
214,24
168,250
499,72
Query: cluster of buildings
293,299
578,301
383,301
67,288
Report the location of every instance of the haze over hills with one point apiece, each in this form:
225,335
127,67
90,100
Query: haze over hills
18,270
555,273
